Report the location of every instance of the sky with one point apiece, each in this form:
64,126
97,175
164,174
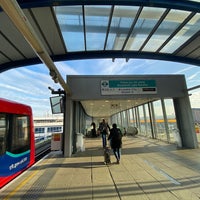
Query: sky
29,85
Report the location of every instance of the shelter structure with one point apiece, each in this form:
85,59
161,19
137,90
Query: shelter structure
40,31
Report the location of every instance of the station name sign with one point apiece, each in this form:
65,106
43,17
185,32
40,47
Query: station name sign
126,87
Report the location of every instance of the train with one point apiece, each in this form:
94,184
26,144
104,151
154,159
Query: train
46,126
17,142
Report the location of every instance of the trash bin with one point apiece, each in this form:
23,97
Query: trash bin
177,137
80,142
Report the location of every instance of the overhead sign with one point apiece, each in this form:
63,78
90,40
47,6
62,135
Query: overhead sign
57,104
126,87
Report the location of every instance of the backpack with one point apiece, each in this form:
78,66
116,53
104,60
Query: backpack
117,135
101,127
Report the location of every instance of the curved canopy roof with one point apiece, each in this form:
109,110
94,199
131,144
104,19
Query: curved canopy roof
153,29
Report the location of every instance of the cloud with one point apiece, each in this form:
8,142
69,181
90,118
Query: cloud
193,76
119,66
109,67
66,69
184,69
27,86
30,84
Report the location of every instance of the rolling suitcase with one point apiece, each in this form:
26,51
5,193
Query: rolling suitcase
107,159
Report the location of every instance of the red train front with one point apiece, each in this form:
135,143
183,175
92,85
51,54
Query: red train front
17,146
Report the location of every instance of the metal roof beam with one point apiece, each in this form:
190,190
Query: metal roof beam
101,55
132,27
178,4
15,13
108,28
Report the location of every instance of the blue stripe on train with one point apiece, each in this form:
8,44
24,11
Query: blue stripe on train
13,163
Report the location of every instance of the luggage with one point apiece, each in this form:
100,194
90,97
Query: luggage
107,156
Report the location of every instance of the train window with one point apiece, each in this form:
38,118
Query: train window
3,131
20,134
39,130
54,129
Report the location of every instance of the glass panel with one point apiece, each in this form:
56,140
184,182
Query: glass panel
142,121
123,17
70,20
3,131
147,20
166,28
148,121
96,21
20,140
131,117
195,104
119,121
57,104
160,123
124,120
171,118
194,0
183,35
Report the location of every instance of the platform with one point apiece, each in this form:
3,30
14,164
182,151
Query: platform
149,170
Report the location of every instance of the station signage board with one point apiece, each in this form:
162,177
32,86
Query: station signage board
127,87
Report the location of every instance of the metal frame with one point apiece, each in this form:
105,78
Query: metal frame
179,4
113,54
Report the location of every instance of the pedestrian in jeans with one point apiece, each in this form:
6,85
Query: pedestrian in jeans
115,138
104,128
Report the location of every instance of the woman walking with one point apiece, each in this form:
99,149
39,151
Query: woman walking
115,138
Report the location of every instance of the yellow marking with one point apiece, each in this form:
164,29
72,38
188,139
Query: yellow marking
26,180
20,185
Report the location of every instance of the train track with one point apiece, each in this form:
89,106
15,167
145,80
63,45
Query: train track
42,149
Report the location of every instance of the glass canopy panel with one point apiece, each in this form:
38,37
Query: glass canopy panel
171,22
146,21
70,20
96,22
183,35
122,19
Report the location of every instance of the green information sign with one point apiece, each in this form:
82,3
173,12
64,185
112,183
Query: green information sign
117,87
131,83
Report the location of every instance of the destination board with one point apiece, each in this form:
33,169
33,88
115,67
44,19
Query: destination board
127,87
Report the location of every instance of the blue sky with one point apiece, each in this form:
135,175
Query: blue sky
30,84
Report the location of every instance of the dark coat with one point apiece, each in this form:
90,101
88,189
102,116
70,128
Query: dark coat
115,138
104,127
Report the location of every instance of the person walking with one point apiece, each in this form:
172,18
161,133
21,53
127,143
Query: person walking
115,138
93,130
104,127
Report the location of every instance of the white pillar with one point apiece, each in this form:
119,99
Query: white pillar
68,128
185,122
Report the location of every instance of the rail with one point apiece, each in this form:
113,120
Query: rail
42,149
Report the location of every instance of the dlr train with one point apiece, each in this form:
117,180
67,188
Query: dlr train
17,146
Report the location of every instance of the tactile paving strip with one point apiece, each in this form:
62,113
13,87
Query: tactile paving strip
40,185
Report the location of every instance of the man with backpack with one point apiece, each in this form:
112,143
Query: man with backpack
104,128
115,138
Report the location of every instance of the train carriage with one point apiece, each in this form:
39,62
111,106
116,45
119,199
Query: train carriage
17,145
